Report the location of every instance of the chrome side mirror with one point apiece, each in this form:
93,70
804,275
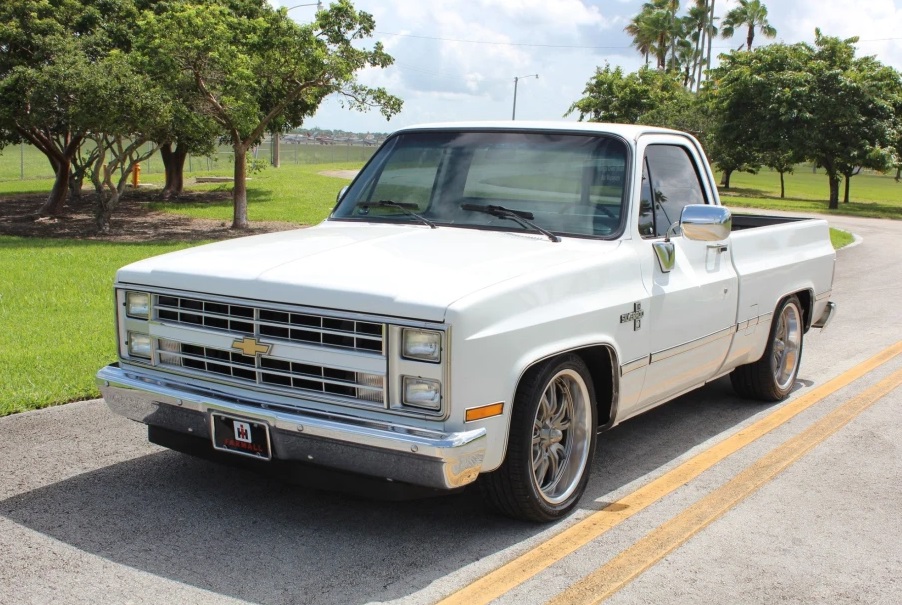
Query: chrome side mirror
341,193
704,223
698,222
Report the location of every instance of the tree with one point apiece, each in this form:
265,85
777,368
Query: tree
818,103
252,65
750,14
655,30
48,68
133,110
611,96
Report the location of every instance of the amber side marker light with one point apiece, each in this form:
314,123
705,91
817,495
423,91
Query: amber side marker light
485,411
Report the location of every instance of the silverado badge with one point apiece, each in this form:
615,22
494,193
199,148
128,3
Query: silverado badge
635,317
251,347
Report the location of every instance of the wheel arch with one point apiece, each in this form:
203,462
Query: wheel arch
604,370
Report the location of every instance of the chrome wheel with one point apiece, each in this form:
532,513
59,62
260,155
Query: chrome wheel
772,377
787,345
561,436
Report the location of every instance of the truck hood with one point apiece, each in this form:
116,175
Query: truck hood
408,271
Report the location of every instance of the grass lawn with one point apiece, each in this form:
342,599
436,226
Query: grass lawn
872,195
292,193
56,317
56,311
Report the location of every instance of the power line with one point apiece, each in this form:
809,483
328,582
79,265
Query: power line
566,46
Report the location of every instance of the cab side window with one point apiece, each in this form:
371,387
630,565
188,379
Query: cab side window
670,181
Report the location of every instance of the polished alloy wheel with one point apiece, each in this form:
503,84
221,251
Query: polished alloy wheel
561,436
787,346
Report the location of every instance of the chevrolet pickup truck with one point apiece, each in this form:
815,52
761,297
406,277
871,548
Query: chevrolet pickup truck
484,300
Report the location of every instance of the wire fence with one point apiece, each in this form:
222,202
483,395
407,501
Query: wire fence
24,162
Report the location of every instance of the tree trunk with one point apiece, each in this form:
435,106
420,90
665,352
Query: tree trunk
834,190
57,198
239,191
174,165
710,35
898,173
725,180
276,162
76,181
845,197
782,186
105,208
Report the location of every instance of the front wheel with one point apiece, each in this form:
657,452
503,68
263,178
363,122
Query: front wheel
772,377
551,445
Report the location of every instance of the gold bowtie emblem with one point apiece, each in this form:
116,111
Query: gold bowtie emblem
251,347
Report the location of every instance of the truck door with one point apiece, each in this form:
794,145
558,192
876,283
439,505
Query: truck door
692,311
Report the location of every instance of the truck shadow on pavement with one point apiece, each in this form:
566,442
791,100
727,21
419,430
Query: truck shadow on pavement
247,536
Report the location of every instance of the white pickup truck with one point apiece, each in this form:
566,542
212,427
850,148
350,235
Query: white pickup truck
483,301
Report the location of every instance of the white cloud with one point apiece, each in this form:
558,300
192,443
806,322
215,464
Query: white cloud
457,59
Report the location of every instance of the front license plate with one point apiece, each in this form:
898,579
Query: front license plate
241,436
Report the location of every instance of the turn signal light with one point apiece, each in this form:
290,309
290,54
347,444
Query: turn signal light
485,411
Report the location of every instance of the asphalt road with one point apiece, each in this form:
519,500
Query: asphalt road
91,513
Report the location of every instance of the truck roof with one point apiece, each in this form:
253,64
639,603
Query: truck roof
627,131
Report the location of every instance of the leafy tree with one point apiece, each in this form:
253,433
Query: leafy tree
752,15
135,110
655,30
48,69
611,96
783,160
818,103
253,66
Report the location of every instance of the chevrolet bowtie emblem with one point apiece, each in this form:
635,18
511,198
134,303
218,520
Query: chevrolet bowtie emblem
251,347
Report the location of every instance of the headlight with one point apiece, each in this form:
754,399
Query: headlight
139,344
137,304
422,393
422,345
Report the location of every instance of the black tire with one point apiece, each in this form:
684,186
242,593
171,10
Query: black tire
551,445
772,377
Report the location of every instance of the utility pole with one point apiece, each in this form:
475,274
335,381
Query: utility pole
516,80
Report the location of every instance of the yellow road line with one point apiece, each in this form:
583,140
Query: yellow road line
527,565
657,544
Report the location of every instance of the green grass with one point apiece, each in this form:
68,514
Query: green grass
27,163
872,195
840,238
56,317
292,193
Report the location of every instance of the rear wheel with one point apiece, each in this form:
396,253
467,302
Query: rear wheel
551,445
772,377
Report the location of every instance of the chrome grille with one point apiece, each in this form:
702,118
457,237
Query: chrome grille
272,372
306,328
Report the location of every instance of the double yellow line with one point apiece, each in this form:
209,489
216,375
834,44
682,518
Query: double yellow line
622,569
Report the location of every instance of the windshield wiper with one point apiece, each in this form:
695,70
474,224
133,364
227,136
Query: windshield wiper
518,216
405,207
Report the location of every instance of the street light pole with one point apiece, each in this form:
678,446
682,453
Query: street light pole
516,80
318,5
274,143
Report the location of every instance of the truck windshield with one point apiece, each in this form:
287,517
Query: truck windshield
568,184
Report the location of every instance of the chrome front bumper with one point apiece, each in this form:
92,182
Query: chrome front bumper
380,449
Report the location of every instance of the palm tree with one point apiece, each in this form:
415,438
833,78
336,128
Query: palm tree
752,14
697,22
644,37
655,30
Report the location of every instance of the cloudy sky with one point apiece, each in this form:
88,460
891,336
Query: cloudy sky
457,59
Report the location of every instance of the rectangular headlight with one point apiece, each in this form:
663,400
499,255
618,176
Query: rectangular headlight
137,304
139,344
422,345
422,393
